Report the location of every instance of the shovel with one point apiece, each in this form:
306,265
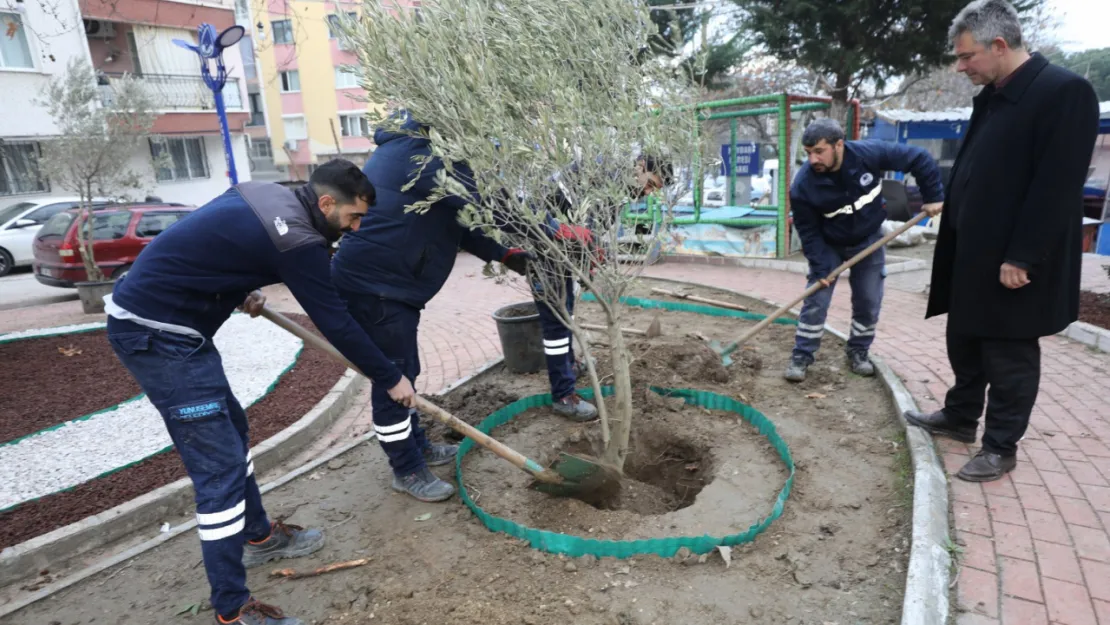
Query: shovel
569,476
724,351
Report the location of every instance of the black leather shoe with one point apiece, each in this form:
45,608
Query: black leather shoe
937,423
987,467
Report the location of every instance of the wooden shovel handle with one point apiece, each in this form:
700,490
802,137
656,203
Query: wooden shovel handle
702,300
817,286
423,405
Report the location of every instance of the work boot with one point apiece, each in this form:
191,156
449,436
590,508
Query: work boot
436,455
796,370
256,613
575,408
861,364
939,424
987,467
284,541
423,485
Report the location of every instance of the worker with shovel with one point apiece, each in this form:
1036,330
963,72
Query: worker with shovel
838,211
162,318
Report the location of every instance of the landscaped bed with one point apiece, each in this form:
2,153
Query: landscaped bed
1094,308
837,554
68,377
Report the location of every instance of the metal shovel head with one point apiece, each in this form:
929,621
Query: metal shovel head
719,349
583,477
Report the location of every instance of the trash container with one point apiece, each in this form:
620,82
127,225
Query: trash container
518,325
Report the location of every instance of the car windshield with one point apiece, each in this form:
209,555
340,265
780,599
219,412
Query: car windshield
57,225
7,214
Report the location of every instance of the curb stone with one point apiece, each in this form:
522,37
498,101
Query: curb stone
1088,334
927,576
901,264
62,545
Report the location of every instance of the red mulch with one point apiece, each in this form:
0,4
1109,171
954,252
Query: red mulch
44,387
298,391
1094,308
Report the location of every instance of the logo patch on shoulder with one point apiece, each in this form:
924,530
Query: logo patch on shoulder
283,228
866,179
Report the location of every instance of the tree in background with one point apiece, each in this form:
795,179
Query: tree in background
1094,64
705,62
546,105
97,137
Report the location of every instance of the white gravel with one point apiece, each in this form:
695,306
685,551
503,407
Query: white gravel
255,353
26,334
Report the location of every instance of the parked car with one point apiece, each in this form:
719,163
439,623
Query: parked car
19,222
120,232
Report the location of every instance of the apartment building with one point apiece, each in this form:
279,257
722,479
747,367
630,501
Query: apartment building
120,37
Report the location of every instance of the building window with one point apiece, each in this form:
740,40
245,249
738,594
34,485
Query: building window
290,81
14,49
354,125
179,159
295,128
283,31
250,65
345,80
19,167
260,148
255,100
333,27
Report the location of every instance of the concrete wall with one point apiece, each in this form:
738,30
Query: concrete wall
195,192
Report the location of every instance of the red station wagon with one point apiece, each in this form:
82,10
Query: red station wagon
120,232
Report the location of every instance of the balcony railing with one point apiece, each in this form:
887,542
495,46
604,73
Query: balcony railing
171,92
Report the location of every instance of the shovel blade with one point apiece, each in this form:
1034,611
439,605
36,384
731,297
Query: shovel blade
582,477
719,348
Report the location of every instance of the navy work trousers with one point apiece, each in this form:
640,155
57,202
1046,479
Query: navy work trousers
558,343
183,377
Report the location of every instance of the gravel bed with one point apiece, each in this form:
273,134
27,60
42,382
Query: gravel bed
26,334
83,449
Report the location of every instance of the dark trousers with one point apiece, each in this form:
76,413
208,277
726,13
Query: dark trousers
183,377
558,344
393,327
1012,371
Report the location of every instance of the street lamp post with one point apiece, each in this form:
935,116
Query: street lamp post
211,47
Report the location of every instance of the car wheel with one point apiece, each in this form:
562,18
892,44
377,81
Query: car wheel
120,272
6,262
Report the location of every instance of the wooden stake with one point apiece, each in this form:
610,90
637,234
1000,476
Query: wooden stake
338,566
703,300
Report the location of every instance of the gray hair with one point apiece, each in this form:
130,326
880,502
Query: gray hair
823,128
988,20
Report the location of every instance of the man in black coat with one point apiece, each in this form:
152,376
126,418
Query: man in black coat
1008,255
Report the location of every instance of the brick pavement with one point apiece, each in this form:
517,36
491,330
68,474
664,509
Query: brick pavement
1036,546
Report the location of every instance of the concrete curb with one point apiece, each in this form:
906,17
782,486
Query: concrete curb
1089,335
901,265
57,548
926,596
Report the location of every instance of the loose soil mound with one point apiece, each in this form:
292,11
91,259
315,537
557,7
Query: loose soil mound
1094,308
47,381
296,393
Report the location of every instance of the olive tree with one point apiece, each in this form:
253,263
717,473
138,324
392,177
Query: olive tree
98,132
549,104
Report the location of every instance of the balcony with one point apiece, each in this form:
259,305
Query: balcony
176,92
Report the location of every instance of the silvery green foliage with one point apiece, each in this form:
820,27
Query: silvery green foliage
98,133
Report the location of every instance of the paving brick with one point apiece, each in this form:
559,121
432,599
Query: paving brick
1078,512
969,492
1099,496
1021,612
1013,541
1035,498
970,618
1004,487
1047,526
1058,562
1061,484
1085,473
1068,604
1064,454
978,592
1102,464
1045,460
1020,579
953,461
1091,544
972,518
1098,578
1007,509
1093,448
1026,473
978,551
1102,609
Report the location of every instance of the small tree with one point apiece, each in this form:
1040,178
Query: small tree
97,137
547,105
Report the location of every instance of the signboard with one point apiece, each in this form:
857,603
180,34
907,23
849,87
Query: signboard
747,159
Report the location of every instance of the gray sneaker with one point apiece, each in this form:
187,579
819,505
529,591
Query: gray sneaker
285,541
256,613
796,370
436,455
423,485
575,408
861,364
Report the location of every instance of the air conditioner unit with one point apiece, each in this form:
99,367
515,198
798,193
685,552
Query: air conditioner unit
291,145
100,29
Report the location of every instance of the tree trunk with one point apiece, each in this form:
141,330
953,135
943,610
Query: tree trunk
85,240
838,108
621,417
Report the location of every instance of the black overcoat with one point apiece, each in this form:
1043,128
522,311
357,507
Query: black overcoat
1016,195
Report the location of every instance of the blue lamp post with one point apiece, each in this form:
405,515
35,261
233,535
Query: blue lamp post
211,47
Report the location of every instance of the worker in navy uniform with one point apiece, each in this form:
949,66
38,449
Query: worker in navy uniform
1009,253
162,319
838,210
389,269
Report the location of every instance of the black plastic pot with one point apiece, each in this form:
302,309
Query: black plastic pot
518,325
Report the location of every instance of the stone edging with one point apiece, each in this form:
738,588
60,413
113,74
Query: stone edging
791,266
60,546
926,596
1088,334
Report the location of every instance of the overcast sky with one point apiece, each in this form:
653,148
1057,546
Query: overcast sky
1084,24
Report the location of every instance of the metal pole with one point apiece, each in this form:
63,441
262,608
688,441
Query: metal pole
229,156
732,162
785,159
